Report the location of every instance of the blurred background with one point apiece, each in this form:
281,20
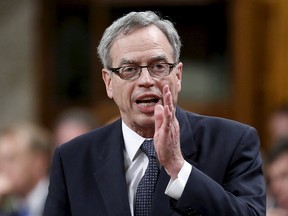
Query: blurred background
235,55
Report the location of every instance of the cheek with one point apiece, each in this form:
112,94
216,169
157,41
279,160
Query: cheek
114,90
121,93
174,85
179,85
20,169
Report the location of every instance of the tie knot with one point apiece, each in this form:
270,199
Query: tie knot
148,148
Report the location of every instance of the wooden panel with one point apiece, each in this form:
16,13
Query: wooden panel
277,52
158,2
242,47
275,59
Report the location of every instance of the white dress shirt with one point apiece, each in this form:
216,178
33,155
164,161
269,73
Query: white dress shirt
35,200
136,162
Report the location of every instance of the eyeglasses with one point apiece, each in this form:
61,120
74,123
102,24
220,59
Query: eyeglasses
133,71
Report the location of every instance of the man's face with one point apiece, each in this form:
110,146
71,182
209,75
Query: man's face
137,99
278,176
278,125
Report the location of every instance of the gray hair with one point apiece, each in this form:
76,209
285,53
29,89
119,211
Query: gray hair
129,23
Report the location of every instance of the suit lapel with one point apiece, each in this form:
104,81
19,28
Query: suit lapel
188,145
161,201
110,174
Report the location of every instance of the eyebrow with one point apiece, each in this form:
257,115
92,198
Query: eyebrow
126,61
152,59
159,57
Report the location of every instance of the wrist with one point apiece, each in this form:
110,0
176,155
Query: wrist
175,168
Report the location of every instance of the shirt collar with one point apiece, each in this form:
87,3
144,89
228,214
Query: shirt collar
132,141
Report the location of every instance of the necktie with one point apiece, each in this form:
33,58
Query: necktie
145,189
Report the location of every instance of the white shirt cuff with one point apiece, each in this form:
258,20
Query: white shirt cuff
175,188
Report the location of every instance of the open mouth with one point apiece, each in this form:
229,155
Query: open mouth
147,102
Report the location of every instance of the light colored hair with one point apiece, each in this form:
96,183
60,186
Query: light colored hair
36,138
132,21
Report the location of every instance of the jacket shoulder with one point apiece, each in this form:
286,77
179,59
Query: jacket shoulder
197,120
94,139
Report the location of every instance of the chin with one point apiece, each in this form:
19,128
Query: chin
145,120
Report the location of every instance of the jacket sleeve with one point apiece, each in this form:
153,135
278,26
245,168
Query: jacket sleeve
57,202
242,191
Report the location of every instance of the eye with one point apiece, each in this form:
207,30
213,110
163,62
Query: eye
130,69
158,66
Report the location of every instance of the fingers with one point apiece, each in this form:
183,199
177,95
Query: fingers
164,114
167,98
169,111
158,113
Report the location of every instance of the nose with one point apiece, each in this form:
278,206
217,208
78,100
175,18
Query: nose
145,78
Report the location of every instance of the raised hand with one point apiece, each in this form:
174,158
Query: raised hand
167,135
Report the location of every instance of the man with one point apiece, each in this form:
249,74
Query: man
277,174
25,157
72,123
278,123
208,166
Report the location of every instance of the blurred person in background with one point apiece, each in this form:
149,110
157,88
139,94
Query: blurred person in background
72,123
25,155
278,123
277,179
5,188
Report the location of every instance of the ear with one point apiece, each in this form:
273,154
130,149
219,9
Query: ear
179,75
108,82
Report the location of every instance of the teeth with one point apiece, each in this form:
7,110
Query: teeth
148,98
147,102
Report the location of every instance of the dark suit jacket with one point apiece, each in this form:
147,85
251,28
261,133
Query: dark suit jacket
88,176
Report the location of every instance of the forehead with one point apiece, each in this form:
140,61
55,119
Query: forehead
141,45
15,140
